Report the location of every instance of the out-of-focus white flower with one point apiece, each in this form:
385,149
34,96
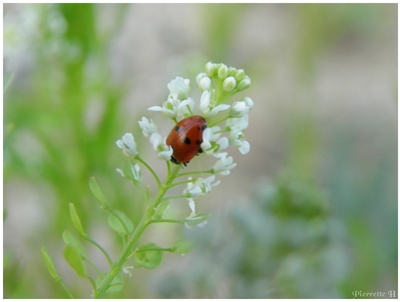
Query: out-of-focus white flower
224,164
127,270
128,145
163,151
241,108
196,220
200,186
148,127
178,103
179,88
137,176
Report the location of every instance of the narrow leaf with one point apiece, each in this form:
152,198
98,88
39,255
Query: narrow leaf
76,221
74,259
70,239
119,222
97,192
49,264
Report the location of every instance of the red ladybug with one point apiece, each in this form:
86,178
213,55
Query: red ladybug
185,139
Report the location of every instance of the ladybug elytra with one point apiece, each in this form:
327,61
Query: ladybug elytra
185,139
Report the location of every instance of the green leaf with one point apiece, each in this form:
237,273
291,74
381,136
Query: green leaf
76,221
97,192
74,259
148,256
49,264
119,222
70,239
182,246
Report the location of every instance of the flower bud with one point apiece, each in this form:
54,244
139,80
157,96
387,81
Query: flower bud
223,71
229,84
244,84
239,75
205,83
210,69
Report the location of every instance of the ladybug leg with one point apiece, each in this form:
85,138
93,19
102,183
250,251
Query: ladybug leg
173,159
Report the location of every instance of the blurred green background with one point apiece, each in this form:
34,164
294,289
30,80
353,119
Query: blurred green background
310,212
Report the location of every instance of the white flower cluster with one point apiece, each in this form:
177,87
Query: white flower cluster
226,122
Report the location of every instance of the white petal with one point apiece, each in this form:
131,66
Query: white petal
192,206
245,147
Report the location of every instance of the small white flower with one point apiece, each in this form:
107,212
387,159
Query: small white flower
238,123
179,88
148,127
236,139
205,102
239,109
219,108
156,140
210,135
168,112
192,205
127,270
184,108
128,145
196,220
137,176
223,143
175,108
224,164
206,106
163,151
200,186
249,102
244,147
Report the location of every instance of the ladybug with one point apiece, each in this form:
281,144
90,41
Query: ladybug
185,139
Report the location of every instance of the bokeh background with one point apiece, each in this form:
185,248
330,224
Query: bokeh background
310,212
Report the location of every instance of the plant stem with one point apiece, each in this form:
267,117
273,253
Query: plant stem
133,239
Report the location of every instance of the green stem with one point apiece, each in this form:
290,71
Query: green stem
133,239
175,197
196,172
151,170
101,249
167,220
64,286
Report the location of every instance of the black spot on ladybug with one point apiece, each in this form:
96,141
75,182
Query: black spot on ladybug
200,150
198,142
177,128
203,127
187,141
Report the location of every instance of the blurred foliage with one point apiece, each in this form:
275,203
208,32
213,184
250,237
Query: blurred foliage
283,243
62,115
